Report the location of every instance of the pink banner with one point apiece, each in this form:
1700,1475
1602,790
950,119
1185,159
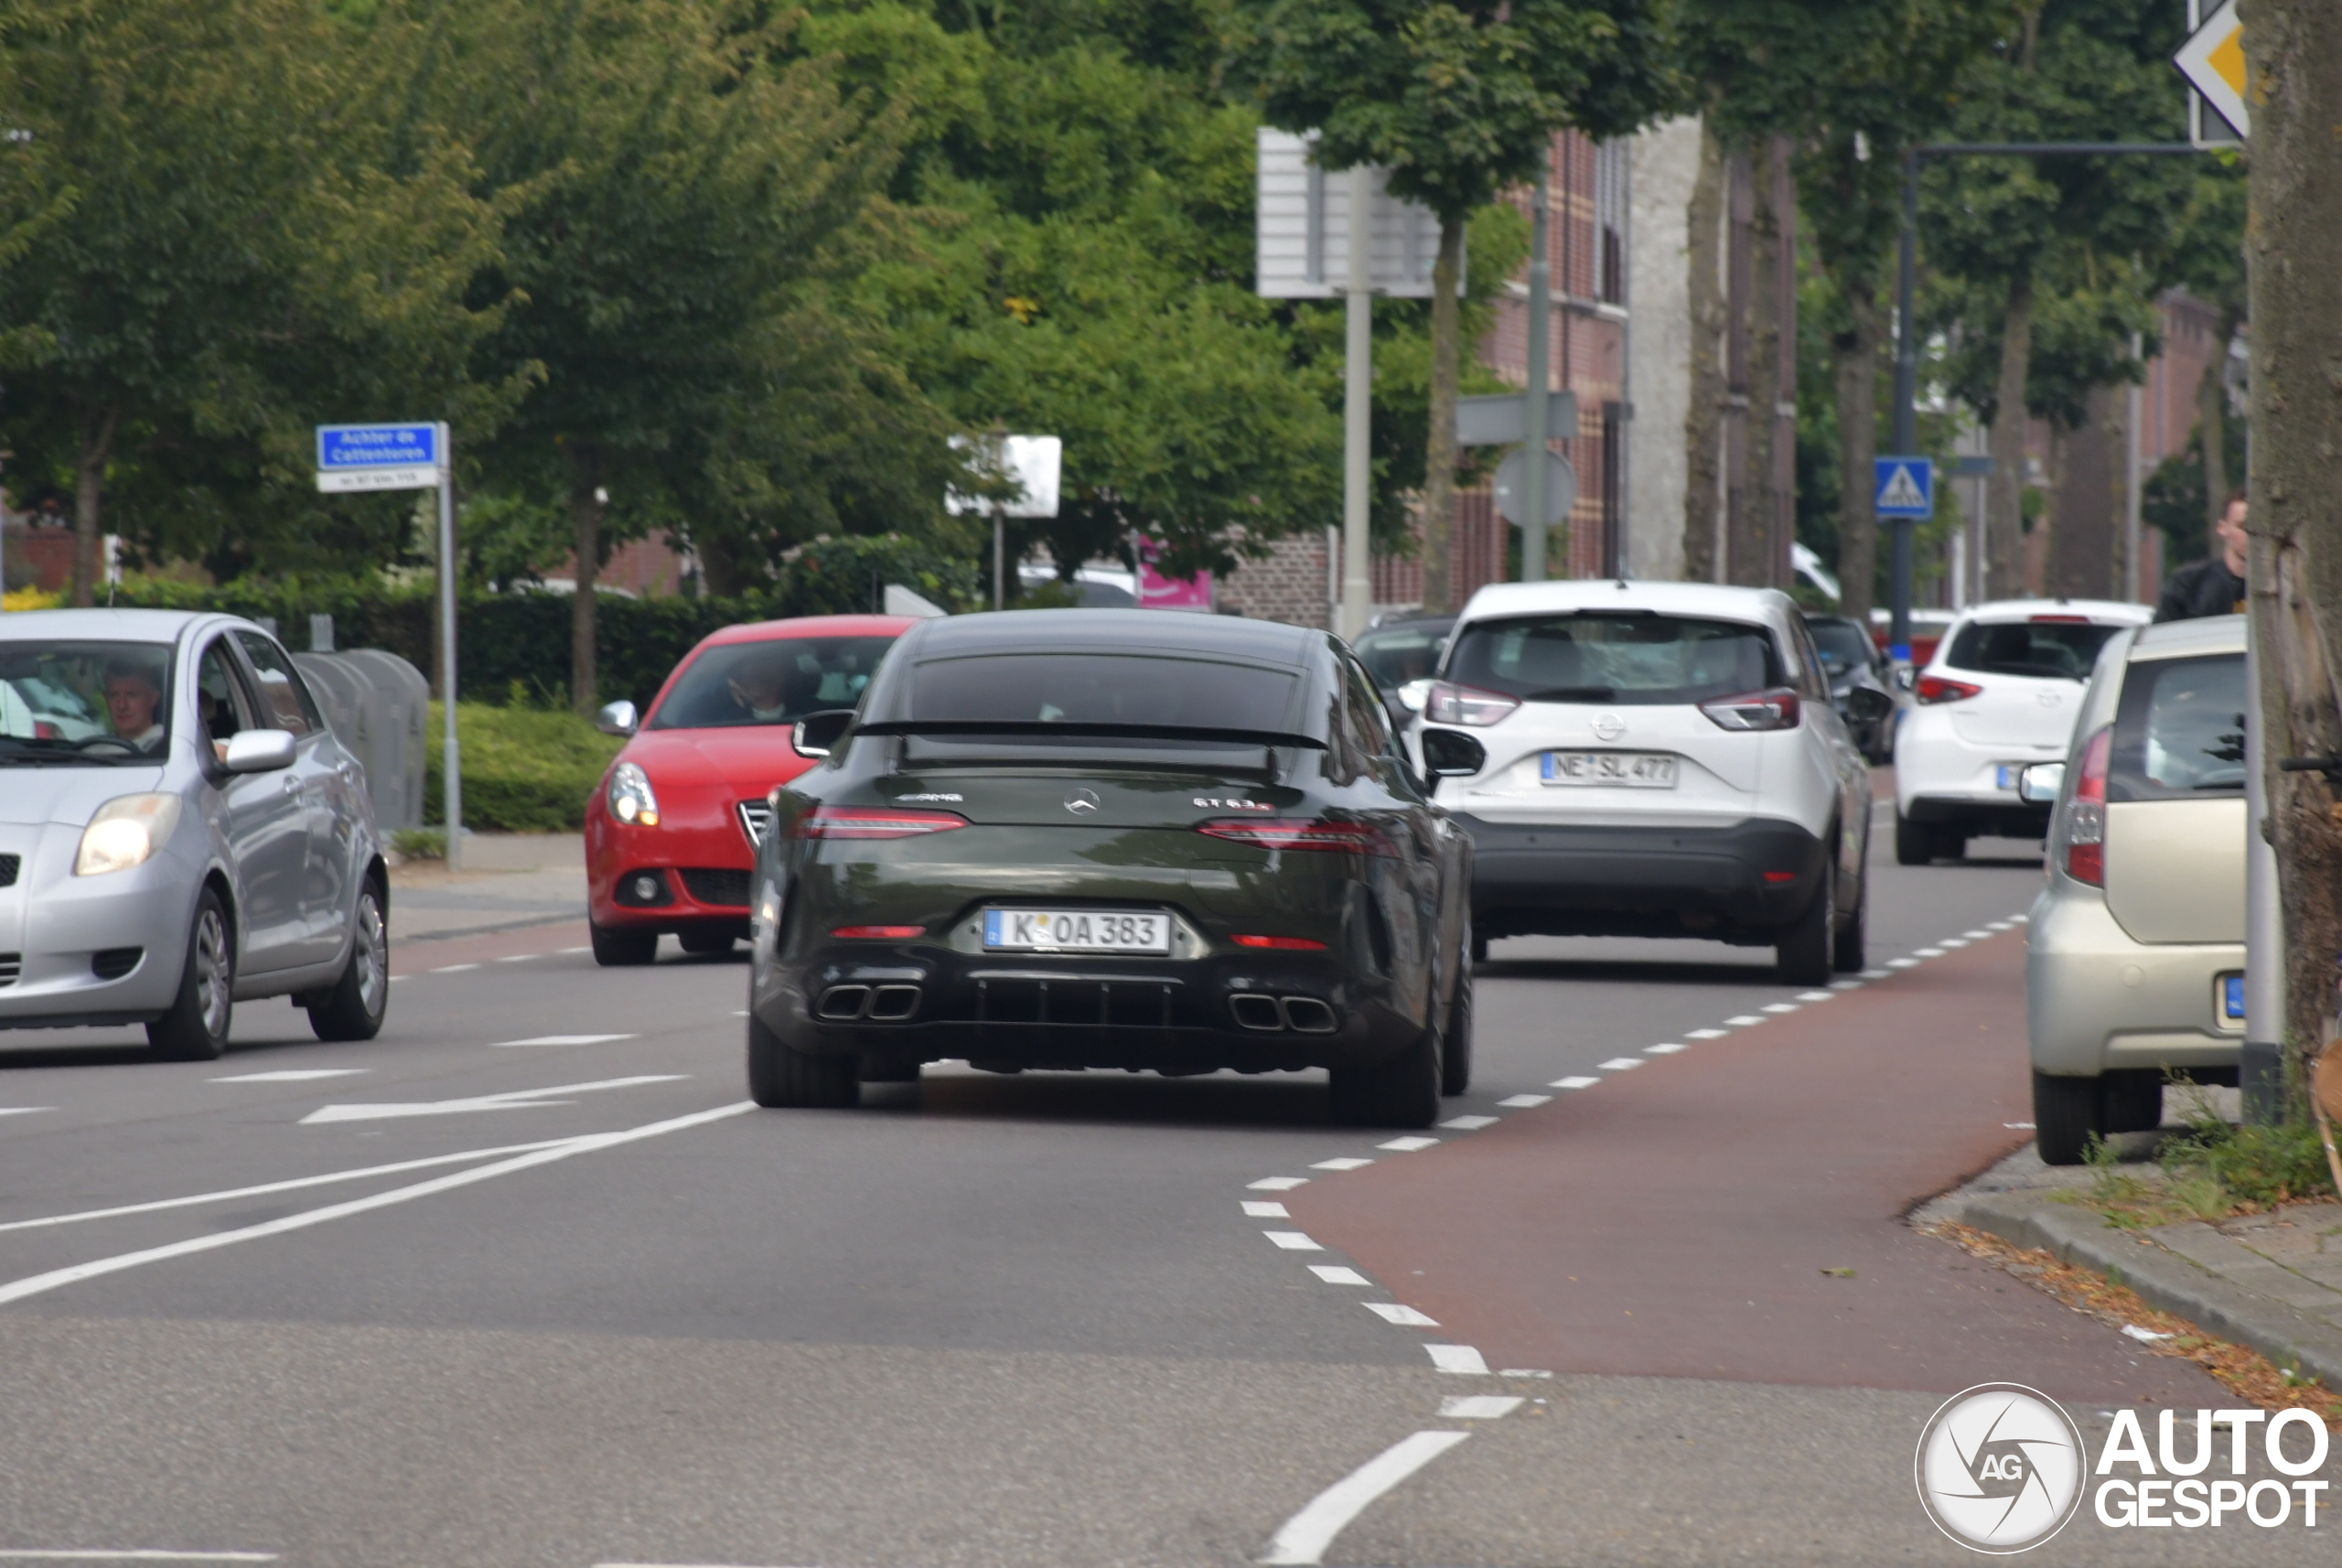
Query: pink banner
1157,592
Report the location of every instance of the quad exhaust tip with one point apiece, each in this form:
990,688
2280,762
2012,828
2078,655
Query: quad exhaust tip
1302,1015
875,1004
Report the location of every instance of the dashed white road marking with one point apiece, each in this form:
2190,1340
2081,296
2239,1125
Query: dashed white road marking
567,1040
1257,1209
1302,1540
1525,1101
136,1555
23,1110
1339,1274
1996,925
291,1075
1620,1064
519,957
1405,1316
1705,1034
1816,995
35,1284
1346,1162
1461,1360
1292,1241
1524,1372
1923,953
1278,1183
1666,1048
1573,1083
1952,941
1470,1123
1978,936
1845,985
1478,1407
1902,963
510,1100
2020,919
1407,1145
452,969
1746,1019
1778,1007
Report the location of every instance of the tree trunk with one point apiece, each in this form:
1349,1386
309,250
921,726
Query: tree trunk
2295,232
1702,473
1439,456
2004,491
1758,551
98,426
2086,543
585,505
1854,360
2212,437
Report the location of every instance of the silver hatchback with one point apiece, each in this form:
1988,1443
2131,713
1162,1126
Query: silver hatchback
179,831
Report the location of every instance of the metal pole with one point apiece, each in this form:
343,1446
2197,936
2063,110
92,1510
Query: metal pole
1907,393
1539,399
454,761
2260,1071
1358,405
999,559
2131,415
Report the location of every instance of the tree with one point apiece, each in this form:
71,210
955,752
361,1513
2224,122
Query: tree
1460,99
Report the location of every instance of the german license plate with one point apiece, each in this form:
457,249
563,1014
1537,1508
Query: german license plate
2005,776
2230,988
1076,930
1630,769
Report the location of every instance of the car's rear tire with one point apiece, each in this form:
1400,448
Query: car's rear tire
1455,1040
196,1028
1915,843
354,1007
1401,1090
704,944
2068,1112
1803,949
1850,949
1480,949
2132,1097
783,1078
1950,844
618,947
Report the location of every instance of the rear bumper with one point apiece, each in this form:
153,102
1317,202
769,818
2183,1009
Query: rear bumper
1657,882
2097,1000
1988,817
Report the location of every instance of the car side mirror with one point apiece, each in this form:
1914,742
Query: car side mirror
259,751
817,735
1868,703
618,718
1451,754
2038,785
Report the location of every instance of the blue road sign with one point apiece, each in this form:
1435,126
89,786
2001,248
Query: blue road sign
1906,487
377,446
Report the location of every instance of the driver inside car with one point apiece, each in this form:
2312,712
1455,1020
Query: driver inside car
133,697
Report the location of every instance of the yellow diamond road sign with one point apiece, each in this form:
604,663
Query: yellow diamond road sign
2213,62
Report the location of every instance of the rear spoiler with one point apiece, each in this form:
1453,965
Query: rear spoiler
949,728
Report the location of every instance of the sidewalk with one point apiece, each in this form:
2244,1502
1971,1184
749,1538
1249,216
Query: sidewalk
509,881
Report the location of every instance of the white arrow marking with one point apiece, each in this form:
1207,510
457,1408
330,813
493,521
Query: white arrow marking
23,1110
512,1099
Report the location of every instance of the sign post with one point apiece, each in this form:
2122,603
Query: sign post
411,457
1904,493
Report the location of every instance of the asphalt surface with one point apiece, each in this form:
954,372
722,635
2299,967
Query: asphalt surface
1028,1320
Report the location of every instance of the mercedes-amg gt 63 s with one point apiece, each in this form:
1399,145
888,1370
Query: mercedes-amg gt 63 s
1068,839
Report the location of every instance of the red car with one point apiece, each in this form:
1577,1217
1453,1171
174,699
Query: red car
671,836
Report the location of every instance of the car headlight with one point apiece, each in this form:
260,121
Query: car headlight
630,797
125,832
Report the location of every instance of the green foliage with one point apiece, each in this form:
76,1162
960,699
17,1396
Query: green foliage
526,770
2174,501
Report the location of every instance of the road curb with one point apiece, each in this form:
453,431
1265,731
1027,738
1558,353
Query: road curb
2164,1280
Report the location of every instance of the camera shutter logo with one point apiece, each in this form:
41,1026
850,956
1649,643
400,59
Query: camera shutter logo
2000,1468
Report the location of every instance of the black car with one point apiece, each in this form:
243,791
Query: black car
1069,839
1852,659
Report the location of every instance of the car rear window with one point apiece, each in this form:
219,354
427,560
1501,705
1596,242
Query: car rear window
1641,659
1841,644
2179,730
777,681
1399,654
2048,650
1101,689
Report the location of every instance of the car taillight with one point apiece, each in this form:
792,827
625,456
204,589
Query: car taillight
1286,832
1280,944
2086,814
874,823
1449,704
1938,688
879,933
1774,709
44,730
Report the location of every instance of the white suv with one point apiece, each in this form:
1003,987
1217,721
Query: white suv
2002,693
1657,759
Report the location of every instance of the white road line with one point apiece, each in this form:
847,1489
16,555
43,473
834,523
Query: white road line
292,1185
1877,974
1667,1049
1980,935
1706,1034
1292,1241
1996,925
136,1555
510,1100
1524,1101
291,1075
519,957
1952,941
1278,1183
1304,1538
1745,1019
1620,1064
1923,952
1405,1316
1524,1372
36,1285
1816,995
1470,1123
1345,1163
1902,963
2020,919
572,949
1573,1083
1458,1359
1778,1007
396,978
568,1041
1260,1210
1337,1274
1845,985
1407,1145
451,969
23,1110
1478,1407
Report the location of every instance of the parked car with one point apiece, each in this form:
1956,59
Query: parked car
1656,759
1851,659
672,834
1116,839
2134,962
2001,694
204,842
1403,656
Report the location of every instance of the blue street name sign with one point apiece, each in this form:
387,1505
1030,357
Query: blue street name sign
379,457
1904,487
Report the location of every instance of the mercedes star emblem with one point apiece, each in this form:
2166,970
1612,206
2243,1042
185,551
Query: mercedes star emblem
1609,727
1082,801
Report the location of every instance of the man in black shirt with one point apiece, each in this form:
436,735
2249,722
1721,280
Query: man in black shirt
2213,588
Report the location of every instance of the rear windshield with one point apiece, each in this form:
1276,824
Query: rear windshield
1101,688
2180,730
1401,653
1841,644
2051,649
1647,659
84,703
774,682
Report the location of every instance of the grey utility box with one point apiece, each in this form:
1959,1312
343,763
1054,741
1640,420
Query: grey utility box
379,708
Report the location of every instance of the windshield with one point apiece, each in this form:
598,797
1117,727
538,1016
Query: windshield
1101,689
84,703
1639,659
774,682
2060,649
1401,653
1841,644
2181,729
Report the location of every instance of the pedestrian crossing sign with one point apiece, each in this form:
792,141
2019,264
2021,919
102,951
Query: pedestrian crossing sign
1906,487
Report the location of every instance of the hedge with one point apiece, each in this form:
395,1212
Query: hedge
514,647
526,770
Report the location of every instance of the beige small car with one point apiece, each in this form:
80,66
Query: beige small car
2136,962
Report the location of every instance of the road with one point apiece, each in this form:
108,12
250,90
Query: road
526,1282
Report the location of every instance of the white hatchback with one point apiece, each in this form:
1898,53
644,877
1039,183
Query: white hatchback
2001,694
1652,759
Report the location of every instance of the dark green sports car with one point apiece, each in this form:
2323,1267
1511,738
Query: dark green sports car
1112,839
